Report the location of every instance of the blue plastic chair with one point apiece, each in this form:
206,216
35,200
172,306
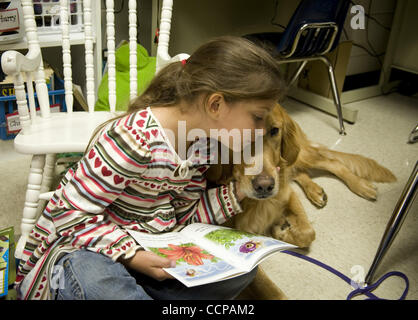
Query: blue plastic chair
313,30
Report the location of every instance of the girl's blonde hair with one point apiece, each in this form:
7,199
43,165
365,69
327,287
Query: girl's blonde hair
232,66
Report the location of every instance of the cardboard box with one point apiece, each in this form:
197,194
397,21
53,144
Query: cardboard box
314,77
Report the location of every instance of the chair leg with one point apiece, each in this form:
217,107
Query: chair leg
399,214
297,73
48,175
413,137
47,178
335,94
31,201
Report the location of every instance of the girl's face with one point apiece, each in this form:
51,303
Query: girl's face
241,119
248,115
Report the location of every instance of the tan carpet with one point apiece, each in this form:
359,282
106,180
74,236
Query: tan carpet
14,170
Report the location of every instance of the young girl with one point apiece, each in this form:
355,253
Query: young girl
133,178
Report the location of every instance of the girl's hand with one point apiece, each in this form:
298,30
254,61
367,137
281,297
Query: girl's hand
150,264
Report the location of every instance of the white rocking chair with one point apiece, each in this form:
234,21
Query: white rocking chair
50,133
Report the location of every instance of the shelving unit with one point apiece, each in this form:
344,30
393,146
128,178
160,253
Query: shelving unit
48,39
45,40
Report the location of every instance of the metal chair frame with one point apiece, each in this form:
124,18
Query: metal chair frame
399,214
318,26
287,58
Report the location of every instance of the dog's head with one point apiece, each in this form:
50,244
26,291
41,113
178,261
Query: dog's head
280,149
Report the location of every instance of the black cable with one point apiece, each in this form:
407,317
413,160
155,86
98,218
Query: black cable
121,7
367,37
276,5
372,52
372,18
377,56
363,47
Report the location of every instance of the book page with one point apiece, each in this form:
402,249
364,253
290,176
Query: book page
239,248
194,265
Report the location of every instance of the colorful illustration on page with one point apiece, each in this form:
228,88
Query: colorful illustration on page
189,253
240,243
193,262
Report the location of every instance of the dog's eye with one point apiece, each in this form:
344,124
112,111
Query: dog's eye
274,131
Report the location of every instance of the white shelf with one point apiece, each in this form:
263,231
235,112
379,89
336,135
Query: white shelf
49,39
46,40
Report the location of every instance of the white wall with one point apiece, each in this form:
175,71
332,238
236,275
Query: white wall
406,54
360,60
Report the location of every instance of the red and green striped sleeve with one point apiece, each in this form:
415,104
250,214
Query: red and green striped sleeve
212,206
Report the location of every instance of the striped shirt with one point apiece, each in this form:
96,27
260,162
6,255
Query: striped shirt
131,179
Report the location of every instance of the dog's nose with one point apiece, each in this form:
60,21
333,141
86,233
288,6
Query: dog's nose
263,184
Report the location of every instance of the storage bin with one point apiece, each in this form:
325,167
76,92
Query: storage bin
9,119
47,16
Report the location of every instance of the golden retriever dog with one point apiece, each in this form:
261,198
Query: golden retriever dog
271,207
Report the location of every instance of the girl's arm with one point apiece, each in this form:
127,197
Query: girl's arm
78,211
213,206
115,160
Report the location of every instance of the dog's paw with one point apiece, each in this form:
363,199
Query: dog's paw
317,196
366,189
305,238
280,230
298,237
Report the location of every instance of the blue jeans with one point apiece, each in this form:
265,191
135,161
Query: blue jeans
87,275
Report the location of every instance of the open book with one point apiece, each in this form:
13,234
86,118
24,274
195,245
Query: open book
206,253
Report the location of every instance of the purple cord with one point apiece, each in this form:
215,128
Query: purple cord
366,290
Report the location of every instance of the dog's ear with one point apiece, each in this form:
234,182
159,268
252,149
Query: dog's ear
214,173
219,173
290,147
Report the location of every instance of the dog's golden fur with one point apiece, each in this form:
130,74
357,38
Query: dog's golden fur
281,214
